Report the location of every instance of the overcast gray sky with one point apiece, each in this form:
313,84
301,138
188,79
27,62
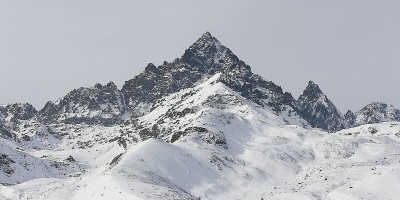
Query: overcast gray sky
351,48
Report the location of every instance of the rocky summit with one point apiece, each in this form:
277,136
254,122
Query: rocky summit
318,110
203,126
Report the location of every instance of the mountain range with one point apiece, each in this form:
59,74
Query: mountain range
202,126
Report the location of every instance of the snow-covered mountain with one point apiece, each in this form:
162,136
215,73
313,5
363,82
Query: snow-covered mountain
201,127
377,112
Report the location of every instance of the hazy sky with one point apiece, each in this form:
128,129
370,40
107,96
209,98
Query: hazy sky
351,48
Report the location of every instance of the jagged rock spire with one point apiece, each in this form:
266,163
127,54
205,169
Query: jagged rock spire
318,110
312,89
349,119
209,54
204,58
206,38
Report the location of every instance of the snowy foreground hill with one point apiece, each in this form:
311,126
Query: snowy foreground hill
201,127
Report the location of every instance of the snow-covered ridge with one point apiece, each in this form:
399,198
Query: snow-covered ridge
203,126
107,105
261,157
377,112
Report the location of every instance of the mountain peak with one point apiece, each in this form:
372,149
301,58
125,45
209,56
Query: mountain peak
204,58
313,93
207,42
312,88
377,112
319,110
378,107
377,104
151,68
21,111
207,37
207,53
312,83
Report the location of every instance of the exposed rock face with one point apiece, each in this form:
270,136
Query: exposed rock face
210,56
204,58
10,114
5,131
349,118
376,112
98,104
262,92
17,111
318,110
107,105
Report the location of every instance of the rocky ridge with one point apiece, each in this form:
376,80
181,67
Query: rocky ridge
109,106
219,130
318,110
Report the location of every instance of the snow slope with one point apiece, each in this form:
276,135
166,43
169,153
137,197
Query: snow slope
212,144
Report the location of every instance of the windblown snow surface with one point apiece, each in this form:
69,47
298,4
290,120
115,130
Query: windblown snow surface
228,148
